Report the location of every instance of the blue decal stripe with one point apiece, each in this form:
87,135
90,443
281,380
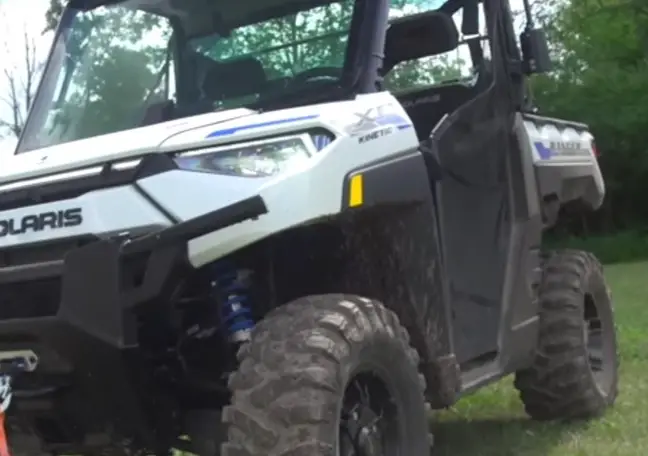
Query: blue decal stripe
233,130
394,119
544,152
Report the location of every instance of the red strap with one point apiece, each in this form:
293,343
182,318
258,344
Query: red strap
4,444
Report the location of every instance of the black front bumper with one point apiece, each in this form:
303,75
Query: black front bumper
87,347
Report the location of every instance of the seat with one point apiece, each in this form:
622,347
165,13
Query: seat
419,35
415,37
426,107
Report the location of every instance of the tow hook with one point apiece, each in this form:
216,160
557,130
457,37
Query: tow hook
12,363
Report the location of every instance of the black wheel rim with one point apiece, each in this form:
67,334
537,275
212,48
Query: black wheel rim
599,345
368,419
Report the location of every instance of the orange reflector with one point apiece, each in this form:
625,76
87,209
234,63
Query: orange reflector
4,444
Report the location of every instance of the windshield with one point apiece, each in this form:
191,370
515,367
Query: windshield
118,67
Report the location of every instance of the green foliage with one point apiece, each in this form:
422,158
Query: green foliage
320,36
623,247
53,14
424,72
116,67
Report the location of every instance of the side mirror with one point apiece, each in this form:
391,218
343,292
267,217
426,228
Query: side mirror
535,51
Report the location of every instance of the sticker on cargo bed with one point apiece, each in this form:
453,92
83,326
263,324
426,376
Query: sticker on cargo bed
552,149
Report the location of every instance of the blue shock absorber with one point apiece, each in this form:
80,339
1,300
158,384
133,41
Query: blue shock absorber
231,288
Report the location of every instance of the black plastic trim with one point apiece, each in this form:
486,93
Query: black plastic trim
97,277
542,120
88,333
28,272
230,215
153,202
398,179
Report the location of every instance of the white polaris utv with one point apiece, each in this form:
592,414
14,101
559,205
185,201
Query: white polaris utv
281,227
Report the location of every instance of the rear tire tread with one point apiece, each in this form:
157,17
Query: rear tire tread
559,384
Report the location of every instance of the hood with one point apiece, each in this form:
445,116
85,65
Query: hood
114,146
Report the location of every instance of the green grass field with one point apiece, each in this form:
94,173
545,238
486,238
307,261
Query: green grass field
493,423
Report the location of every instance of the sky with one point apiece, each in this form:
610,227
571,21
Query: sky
18,16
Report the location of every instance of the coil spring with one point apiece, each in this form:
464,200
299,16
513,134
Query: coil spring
231,287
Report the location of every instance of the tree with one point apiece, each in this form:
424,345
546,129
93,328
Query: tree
20,69
323,51
109,70
53,14
330,24
20,74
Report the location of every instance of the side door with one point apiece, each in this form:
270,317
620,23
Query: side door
473,145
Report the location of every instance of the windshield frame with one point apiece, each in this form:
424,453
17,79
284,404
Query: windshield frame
362,60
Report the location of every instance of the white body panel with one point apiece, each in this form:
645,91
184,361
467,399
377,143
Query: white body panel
99,149
108,212
565,146
311,191
297,196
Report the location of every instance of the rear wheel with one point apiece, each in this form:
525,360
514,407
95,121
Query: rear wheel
327,375
575,370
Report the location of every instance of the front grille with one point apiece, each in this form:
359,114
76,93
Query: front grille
25,296
41,252
32,299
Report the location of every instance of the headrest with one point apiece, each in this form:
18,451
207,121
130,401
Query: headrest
419,35
233,79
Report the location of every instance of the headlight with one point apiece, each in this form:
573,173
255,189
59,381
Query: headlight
252,159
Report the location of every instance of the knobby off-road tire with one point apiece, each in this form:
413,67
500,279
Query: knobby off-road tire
574,373
292,384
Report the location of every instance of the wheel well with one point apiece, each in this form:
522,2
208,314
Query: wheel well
388,253
558,215
352,253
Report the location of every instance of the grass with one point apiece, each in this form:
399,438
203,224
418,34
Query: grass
492,422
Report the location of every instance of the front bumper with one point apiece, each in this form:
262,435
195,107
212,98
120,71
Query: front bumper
87,343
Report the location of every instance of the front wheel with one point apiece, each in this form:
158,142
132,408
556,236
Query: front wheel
326,376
